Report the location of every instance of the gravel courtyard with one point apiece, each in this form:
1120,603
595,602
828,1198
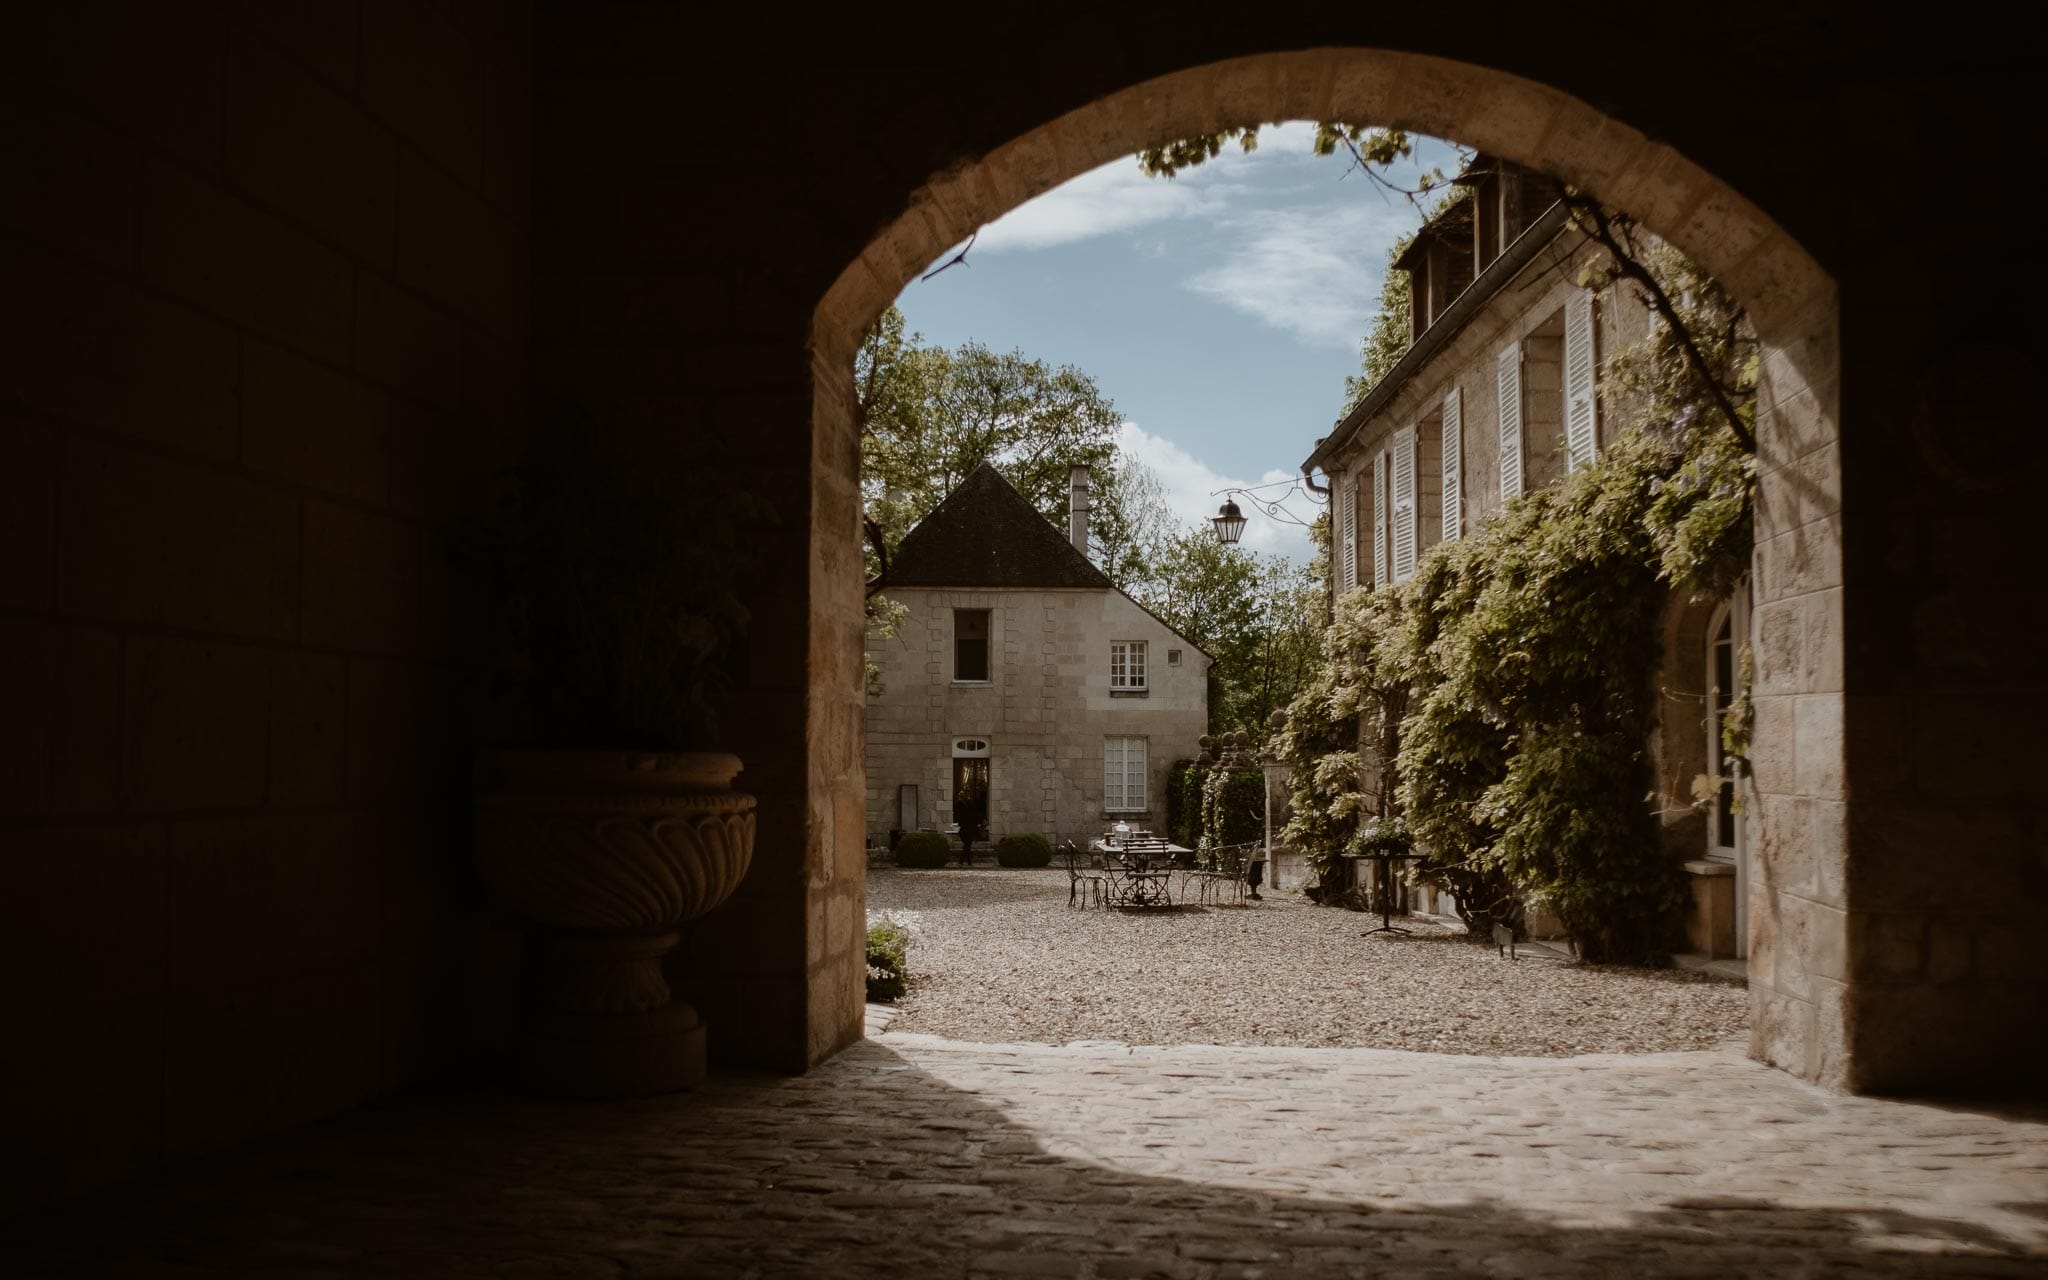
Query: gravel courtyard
999,956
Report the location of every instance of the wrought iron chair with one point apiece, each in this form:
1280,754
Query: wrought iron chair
1224,875
1083,881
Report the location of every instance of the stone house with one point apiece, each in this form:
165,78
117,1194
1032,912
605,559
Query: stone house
1503,390
1022,690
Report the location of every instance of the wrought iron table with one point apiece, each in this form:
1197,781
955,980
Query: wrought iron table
1137,878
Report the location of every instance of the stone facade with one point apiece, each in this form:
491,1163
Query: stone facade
1046,710
1505,343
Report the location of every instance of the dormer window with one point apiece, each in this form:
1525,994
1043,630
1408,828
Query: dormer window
1126,666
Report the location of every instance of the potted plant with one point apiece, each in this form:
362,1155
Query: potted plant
621,583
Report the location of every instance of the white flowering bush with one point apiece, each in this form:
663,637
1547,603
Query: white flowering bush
889,937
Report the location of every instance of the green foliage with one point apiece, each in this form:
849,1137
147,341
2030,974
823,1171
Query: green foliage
884,616
1321,738
1386,342
1540,676
930,416
1184,803
1258,616
1233,807
1381,836
1700,516
922,850
627,604
1023,849
888,958
1388,339
1503,693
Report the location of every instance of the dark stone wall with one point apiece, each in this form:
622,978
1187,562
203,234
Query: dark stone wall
272,275
264,272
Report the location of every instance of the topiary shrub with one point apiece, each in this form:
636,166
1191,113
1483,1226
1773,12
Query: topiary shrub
1024,849
923,850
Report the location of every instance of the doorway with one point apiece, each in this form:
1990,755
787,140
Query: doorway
970,798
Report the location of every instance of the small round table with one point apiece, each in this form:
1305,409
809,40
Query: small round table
1386,924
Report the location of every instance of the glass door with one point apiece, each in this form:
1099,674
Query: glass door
970,798
1726,832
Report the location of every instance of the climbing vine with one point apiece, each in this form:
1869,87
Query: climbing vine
1504,692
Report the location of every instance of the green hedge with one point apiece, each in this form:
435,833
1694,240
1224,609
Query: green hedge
922,849
1024,849
1235,812
1184,803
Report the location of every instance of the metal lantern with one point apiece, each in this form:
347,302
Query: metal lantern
1229,522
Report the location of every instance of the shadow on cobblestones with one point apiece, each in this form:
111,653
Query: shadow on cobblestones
874,1164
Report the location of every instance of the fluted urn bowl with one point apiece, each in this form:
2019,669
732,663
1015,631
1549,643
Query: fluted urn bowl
610,852
611,840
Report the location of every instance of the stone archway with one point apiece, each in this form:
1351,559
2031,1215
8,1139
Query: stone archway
1799,908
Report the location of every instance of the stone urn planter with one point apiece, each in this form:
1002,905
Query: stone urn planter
609,852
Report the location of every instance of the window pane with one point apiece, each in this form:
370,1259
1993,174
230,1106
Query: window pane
1127,664
970,644
1123,773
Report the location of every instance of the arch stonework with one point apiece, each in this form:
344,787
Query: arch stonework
1800,937
295,292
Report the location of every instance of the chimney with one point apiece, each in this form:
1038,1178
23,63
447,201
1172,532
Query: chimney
1077,508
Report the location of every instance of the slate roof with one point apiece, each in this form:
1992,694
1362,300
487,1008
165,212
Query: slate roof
985,534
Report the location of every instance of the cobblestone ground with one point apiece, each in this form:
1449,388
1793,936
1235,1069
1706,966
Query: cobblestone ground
921,1157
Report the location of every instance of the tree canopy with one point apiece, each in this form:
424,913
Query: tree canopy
930,416
1258,616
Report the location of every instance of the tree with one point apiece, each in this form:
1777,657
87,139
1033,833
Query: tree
1131,525
1387,341
1257,616
929,417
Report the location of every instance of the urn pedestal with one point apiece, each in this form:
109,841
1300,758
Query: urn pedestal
609,852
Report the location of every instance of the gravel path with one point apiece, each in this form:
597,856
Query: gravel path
999,956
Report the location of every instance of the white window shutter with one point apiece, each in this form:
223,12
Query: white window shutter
1453,461
1403,523
1511,422
1581,439
1347,518
1381,505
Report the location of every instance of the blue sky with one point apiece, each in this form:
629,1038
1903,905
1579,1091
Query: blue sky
1220,310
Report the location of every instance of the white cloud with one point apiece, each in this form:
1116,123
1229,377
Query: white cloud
1190,485
1116,197
1314,273
1119,197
